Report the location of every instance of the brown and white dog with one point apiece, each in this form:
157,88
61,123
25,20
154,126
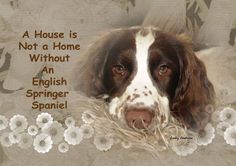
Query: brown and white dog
149,76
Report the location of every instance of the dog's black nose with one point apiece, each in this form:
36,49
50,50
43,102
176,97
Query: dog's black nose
139,118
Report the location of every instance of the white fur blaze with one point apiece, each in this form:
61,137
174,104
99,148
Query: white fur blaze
141,92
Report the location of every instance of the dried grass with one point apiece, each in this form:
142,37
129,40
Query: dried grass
153,141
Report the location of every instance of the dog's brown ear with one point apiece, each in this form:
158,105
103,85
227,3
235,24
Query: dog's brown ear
89,69
194,91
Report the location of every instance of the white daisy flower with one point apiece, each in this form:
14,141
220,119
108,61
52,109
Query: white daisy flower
103,143
5,140
88,117
44,119
26,141
63,147
230,135
14,137
126,144
215,117
55,130
221,127
18,123
228,115
87,131
185,149
3,122
70,121
73,135
33,130
206,135
42,143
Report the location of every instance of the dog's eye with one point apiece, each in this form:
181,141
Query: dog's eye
163,69
119,69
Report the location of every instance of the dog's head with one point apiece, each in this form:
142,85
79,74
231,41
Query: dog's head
149,76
